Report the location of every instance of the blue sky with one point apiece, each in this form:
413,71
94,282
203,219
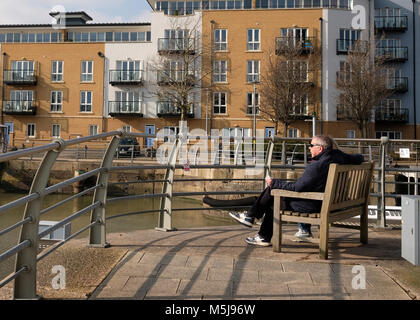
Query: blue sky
36,11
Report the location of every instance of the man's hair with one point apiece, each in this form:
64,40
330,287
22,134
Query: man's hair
326,141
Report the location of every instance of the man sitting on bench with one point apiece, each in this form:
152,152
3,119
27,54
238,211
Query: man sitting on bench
313,179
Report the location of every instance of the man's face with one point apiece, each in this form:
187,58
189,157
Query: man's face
316,149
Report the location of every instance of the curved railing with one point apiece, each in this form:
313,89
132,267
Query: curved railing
229,156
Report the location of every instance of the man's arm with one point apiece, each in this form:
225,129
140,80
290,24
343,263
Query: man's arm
306,182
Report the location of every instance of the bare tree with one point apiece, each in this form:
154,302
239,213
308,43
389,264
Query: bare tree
179,68
363,84
287,83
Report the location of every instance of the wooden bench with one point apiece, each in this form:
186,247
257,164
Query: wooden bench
346,195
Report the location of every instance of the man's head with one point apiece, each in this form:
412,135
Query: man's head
320,143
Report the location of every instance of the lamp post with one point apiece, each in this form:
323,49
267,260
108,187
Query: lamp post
254,111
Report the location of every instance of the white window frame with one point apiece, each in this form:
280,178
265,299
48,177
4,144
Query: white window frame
293,133
86,71
253,39
85,105
56,101
388,134
250,97
57,71
217,98
33,129
93,129
221,40
220,71
55,128
252,71
126,128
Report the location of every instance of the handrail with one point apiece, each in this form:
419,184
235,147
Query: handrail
26,249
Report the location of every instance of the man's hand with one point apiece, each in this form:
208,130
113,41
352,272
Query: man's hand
268,180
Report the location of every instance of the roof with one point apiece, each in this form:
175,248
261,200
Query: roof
4,26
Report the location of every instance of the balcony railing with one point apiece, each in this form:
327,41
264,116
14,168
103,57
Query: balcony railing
134,77
398,84
393,23
167,77
176,46
345,46
19,107
290,44
392,54
344,113
383,114
20,77
168,109
125,108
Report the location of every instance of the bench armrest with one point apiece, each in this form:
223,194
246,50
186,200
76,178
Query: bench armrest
301,195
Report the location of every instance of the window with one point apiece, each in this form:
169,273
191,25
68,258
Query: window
219,71
253,71
219,103
127,70
87,71
128,101
30,130
347,39
56,131
220,39
86,101
23,70
301,106
293,133
350,134
269,132
21,100
93,129
57,71
126,128
389,134
253,40
56,104
250,100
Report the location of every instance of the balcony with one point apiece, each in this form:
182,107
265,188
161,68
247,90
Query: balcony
168,109
175,77
125,108
343,77
293,45
19,107
345,46
392,24
391,114
124,77
392,54
176,46
20,77
397,84
344,113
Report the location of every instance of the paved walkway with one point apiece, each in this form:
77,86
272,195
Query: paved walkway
215,263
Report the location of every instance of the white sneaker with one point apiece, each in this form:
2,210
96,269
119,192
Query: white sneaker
303,234
258,241
242,218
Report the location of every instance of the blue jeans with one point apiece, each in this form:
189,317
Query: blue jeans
305,227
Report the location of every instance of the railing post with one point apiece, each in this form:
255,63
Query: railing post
165,215
268,160
97,234
25,284
381,219
283,153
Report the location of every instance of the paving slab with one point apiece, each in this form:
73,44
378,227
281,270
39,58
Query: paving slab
216,263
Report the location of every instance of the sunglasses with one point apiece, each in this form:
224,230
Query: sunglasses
314,145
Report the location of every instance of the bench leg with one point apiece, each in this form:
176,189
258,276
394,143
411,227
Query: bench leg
364,227
276,239
323,240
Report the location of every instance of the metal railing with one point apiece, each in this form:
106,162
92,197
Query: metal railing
236,153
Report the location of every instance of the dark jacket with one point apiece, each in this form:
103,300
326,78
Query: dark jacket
314,178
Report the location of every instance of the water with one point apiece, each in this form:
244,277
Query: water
180,219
